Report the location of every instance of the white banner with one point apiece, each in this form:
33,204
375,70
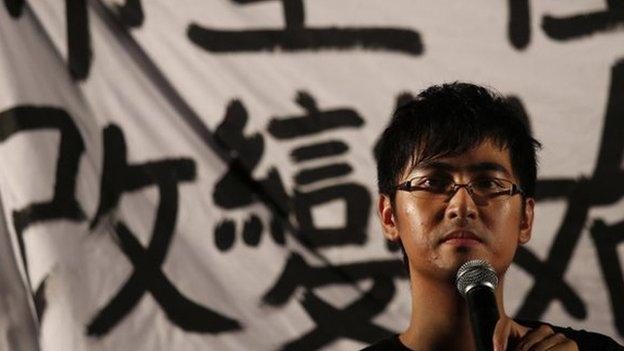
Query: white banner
200,176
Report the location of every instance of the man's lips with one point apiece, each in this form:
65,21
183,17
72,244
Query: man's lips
461,237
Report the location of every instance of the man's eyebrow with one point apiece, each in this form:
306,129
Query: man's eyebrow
435,165
488,166
473,168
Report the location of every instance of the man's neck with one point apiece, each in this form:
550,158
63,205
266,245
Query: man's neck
440,319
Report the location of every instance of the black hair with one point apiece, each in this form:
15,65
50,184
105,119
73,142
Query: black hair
450,119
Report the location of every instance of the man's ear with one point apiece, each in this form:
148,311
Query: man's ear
386,215
526,222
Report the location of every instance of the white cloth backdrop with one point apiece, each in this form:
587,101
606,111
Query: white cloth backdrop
198,175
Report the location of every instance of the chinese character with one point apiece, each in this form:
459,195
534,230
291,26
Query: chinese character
297,37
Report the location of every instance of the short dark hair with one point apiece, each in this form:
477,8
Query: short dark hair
450,119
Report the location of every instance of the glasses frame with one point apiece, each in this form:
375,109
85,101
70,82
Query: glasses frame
515,189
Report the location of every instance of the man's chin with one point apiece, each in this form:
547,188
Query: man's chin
460,257
445,266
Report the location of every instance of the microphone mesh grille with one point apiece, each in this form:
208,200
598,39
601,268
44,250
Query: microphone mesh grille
474,273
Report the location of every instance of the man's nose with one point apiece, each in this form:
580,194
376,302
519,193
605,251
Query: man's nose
461,205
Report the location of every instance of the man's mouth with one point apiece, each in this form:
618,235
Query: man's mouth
461,238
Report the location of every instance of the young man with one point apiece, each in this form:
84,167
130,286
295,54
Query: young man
456,172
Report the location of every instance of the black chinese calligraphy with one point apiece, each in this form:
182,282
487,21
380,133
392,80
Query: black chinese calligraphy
576,26
296,36
119,177
131,13
14,7
353,321
356,197
79,54
236,189
232,191
313,122
357,202
63,204
607,238
519,24
562,28
79,51
603,187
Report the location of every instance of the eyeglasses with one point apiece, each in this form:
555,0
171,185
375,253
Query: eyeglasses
482,190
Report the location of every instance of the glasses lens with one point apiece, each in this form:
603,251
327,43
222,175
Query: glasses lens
491,188
431,187
482,190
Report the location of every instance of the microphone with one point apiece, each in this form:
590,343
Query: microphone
476,281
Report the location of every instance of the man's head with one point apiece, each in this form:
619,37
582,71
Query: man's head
461,132
450,119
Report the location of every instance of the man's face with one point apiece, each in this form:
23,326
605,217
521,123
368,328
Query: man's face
440,234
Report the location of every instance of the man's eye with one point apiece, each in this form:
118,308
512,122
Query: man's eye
488,184
438,184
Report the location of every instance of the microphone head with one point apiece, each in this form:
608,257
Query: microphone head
475,273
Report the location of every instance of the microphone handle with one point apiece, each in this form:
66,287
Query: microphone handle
484,315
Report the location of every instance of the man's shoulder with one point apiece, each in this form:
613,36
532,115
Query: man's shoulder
391,343
584,339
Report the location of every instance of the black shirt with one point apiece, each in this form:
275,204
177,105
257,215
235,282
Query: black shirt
389,344
586,341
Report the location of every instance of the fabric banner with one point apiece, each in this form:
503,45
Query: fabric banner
199,175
